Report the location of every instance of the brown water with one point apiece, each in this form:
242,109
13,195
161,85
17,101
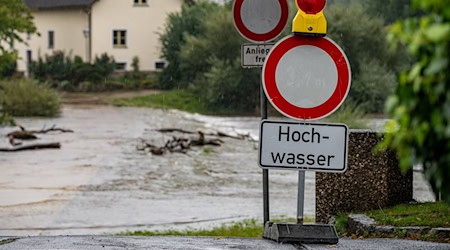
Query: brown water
99,183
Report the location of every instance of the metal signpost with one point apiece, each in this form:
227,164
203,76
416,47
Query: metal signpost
260,21
305,77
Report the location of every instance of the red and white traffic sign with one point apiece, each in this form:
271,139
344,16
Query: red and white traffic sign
260,20
306,78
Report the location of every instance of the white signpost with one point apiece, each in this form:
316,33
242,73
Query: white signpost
303,146
254,55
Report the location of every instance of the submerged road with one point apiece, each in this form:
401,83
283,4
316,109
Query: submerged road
99,183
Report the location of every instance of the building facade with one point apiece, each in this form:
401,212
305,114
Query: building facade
123,29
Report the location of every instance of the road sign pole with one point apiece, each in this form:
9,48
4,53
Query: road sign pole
263,104
301,197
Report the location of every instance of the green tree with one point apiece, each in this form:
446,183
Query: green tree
15,20
421,104
214,58
390,10
179,25
363,38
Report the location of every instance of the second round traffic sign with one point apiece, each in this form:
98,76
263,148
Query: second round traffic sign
260,20
306,78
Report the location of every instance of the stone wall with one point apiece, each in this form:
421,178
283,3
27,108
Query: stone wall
372,181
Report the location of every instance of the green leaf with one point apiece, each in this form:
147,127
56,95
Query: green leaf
438,32
436,65
391,126
414,72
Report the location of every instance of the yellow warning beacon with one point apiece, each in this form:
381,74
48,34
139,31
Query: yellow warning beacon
310,19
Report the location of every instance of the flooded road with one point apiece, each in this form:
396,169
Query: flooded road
99,183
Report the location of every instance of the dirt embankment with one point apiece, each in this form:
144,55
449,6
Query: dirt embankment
101,98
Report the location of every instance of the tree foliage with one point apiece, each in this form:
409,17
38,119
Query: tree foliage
363,38
202,47
214,58
15,21
179,25
390,10
421,104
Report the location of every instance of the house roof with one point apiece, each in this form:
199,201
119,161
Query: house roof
54,4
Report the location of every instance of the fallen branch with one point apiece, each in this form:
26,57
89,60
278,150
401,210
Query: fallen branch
52,129
180,145
24,134
172,130
56,145
218,133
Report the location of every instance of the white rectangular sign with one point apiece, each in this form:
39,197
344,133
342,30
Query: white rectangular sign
254,55
303,146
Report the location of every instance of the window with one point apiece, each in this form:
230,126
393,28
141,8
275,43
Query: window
140,3
121,66
160,65
120,38
51,39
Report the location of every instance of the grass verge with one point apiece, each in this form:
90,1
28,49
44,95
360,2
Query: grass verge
350,115
186,101
249,228
432,215
425,214
245,229
174,99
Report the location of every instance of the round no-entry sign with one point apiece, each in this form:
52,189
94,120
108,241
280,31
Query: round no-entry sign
306,78
260,20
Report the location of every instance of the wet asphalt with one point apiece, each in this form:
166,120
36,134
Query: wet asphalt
188,243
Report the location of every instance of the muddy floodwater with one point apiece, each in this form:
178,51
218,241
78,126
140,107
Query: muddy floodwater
99,183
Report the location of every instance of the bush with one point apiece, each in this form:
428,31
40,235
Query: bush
8,65
226,87
27,98
421,104
6,119
63,72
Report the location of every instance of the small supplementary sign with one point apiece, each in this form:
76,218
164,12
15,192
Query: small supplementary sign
254,55
303,146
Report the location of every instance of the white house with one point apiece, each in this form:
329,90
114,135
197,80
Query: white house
88,28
